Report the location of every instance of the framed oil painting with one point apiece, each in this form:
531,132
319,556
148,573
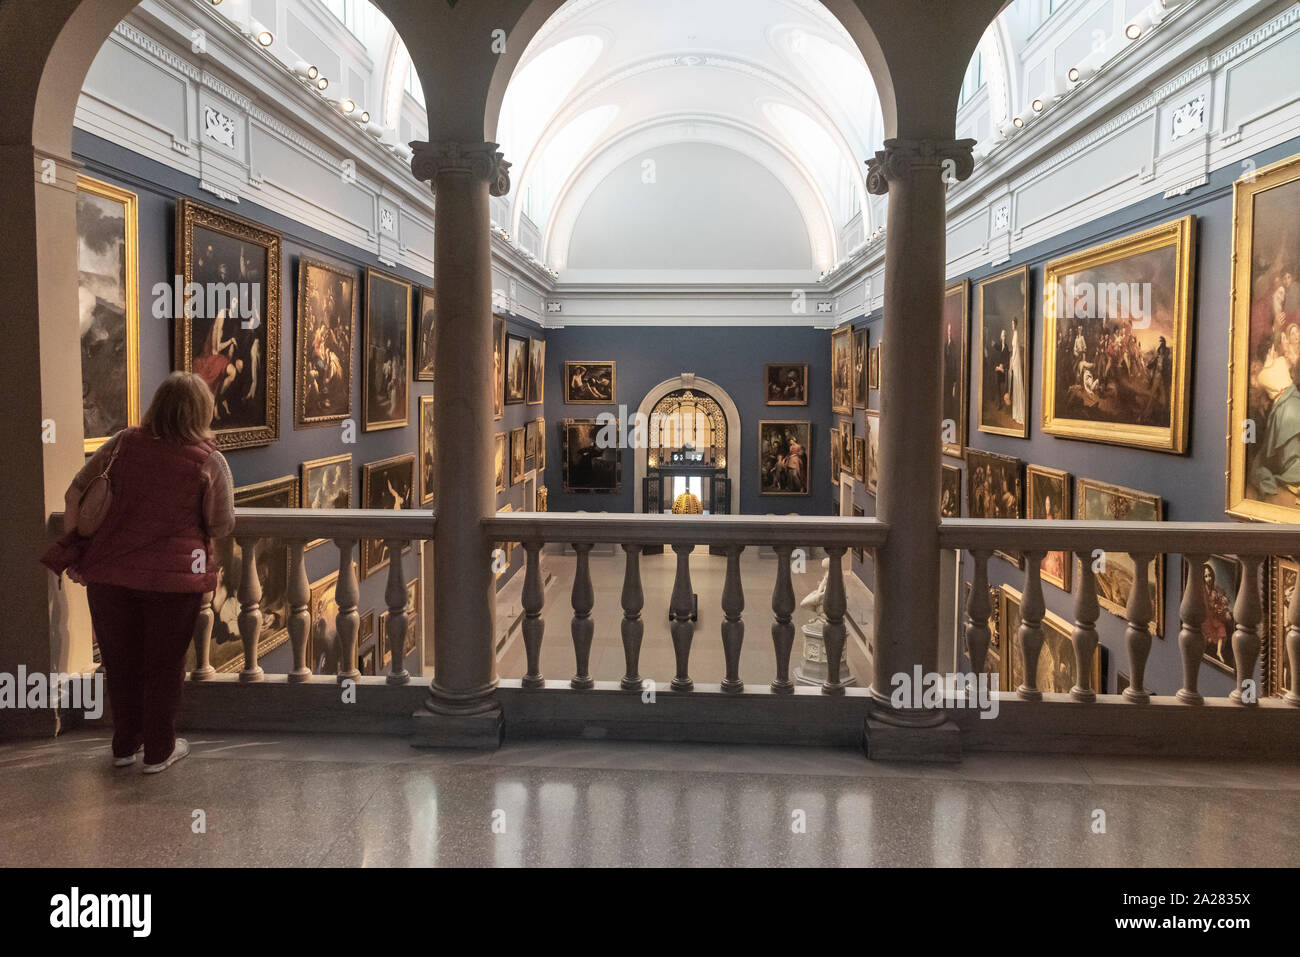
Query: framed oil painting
541,444
1277,666
108,291
388,483
323,632
994,661
226,651
517,456
873,450
873,371
326,483
837,454
530,445
950,491
589,383
516,369
1057,668
846,446
414,635
426,450
861,368
1220,580
786,383
587,466
1117,331
1047,497
536,370
1264,358
842,371
385,380
956,368
323,377
1099,502
859,554
368,647
425,336
995,489
499,457
230,335
498,366
1004,354
784,458
860,458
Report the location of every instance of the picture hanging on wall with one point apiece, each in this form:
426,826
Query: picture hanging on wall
994,662
326,483
860,458
842,371
388,484
837,456
1282,577
323,374
385,379
498,366
846,446
230,335
323,635
861,368
1117,331
588,383
995,489
536,370
427,447
1048,499
499,457
414,632
1264,358
784,458
873,450
950,491
425,337
517,456
786,383
516,369
108,287
1057,667
859,554
956,368
1100,502
541,444
587,466
367,659
1220,580
530,446
873,370
1004,354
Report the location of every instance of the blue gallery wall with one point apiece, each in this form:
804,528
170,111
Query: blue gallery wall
732,356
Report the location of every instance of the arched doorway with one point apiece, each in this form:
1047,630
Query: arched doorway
690,393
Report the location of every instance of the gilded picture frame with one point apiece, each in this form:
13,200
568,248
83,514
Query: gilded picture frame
427,450
1057,665
1220,584
426,335
326,483
995,488
861,368
500,457
842,371
786,383
377,491
1048,494
323,364
955,370
1004,308
587,467
872,422
516,369
1101,501
836,453
518,455
590,383
785,457
1283,574
950,488
536,371
498,366
385,391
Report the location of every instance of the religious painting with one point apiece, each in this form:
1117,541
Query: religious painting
389,484
1057,667
516,369
861,368
228,332
950,491
786,383
323,378
1220,580
368,647
499,457
541,498
860,458
326,483
1263,401
873,450
994,662
846,446
1047,498
226,649
385,385
1117,340
995,489
588,466
1004,354
323,633
517,456
536,370
784,458
1100,502
425,337
426,450
842,371
873,371
530,445
859,554
837,456
541,444
498,366
413,620
108,291
1277,666
588,383
956,368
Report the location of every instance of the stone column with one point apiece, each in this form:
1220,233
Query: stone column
915,174
461,708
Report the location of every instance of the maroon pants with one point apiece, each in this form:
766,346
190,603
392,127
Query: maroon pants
143,637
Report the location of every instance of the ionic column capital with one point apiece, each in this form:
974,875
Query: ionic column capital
905,158
480,160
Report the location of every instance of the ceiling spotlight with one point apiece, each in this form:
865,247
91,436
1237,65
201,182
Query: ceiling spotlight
375,130
1038,105
1141,23
306,70
345,106
215,3
260,34
322,83
363,117
1018,122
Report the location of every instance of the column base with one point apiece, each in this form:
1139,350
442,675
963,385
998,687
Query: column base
886,741
483,732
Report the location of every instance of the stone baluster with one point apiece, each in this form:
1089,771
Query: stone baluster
582,627
782,625
834,633
633,628
395,597
680,606
977,613
533,598
1084,636
348,620
1032,609
203,669
250,608
1191,639
733,626
1248,612
1138,634
1292,648
299,595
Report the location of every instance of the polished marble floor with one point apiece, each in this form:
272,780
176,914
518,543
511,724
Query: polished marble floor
298,800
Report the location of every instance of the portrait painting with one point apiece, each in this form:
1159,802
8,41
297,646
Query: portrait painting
786,383
873,370
1283,576
1057,668
425,337
846,446
108,296
995,489
1004,354
516,369
784,458
1100,502
860,458
956,367
229,331
837,456
499,457
541,444
861,368
1264,357
873,450
385,386
498,366
326,483
530,445
536,370
950,491
1117,340
1047,498
1220,580
323,377
588,467
588,383
517,456
842,371
426,450
389,484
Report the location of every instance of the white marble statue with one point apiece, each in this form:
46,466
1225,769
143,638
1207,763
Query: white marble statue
816,599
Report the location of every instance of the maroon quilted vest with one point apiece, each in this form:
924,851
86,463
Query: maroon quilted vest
153,537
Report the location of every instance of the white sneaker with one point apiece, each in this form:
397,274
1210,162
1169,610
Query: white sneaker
127,762
182,748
